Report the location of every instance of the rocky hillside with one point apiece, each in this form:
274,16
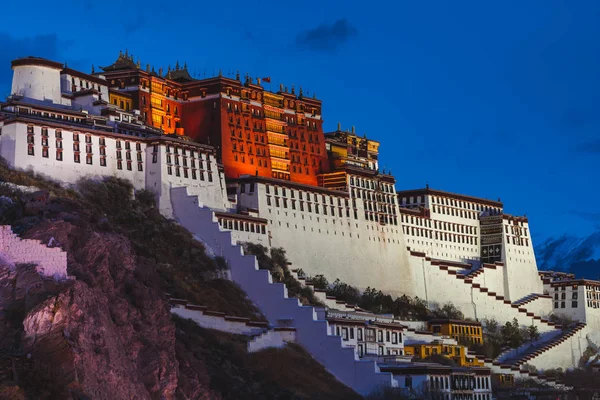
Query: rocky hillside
109,333
578,255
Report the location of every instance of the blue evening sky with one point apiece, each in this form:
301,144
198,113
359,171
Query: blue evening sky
490,99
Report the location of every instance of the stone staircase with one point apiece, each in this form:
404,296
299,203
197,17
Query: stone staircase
272,299
528,352
518,309
529,298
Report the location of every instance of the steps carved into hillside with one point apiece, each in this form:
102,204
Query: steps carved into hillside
272,299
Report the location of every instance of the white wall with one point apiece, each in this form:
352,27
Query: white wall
37,82
271,298
15,151
337,247
49,261
211,193
521,271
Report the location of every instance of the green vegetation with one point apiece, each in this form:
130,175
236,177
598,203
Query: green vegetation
288,373
276,262
375,301
564,321
172,260
498,337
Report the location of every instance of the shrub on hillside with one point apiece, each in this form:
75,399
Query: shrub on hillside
276,262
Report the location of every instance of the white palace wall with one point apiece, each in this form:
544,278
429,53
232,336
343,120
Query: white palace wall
521,273
358,252
146,171
14,148
37,82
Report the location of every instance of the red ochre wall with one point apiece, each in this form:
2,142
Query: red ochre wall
202,120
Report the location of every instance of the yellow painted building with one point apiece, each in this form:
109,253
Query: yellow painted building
457,353
504,380
464,332
121,100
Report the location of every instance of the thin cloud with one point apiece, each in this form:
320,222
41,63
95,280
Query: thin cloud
327,38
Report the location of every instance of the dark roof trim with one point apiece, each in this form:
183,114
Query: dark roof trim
83,75
453,321
289,184
426,191
42,62
241,217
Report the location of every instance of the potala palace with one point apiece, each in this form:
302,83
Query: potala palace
234,162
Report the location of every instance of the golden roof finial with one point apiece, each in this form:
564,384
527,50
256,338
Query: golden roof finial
339,126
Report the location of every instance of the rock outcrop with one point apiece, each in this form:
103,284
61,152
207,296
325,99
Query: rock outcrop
107,333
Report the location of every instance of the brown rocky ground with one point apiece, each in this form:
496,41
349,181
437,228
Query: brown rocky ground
109,334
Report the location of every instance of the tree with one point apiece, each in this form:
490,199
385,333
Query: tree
449,311
343,291
511,334
533,333
319,282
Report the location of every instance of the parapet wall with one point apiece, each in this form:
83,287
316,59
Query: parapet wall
50,261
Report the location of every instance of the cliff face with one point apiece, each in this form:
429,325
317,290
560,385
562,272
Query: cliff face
109,334
106,334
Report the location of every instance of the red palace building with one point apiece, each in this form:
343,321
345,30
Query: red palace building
256,131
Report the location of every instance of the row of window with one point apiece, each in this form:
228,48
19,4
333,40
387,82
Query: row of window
243,226
44,132
89,158
283,202
182,150
442,225
83,85
563,296
264,163
438,235
184,162
466,330
187,173
371,184
517,241
373,196
515,230
52,115
464,204
306,195
458,383
562,304
370,335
